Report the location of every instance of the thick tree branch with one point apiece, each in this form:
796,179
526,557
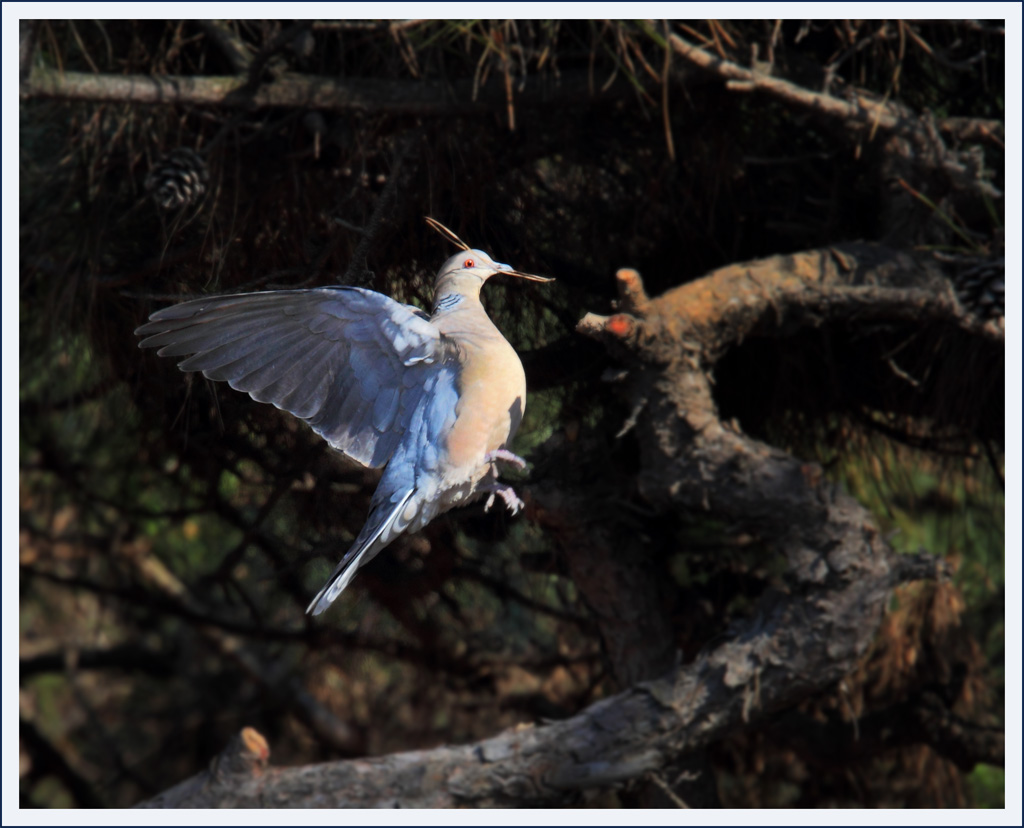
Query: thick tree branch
868,282
426,98
694,460
779,657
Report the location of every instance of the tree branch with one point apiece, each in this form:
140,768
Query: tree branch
691,459
783,653
426,98
860,109
867,281
926,148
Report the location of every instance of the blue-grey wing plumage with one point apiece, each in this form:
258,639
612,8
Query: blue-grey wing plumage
407,495
352,363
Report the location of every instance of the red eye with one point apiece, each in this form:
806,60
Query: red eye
469,263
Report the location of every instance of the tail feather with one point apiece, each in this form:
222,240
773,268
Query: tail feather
346,568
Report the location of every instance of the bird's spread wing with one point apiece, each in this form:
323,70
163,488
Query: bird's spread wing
351,362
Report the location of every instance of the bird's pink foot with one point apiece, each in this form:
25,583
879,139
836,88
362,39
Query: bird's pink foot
507,456
506,493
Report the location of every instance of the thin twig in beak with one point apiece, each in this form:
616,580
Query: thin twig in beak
529,276
448,234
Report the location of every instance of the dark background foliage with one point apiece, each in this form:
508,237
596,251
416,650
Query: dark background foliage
172,531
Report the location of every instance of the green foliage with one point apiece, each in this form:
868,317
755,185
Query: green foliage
988,787
954,508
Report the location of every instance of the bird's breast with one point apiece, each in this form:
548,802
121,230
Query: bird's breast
492,398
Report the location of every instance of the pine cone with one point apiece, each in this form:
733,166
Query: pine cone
177,179
980,288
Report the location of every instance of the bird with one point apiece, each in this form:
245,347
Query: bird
433,399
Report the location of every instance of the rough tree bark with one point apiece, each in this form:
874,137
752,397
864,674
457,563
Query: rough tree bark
803,636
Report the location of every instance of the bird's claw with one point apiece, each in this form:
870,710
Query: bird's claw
506,456
507,494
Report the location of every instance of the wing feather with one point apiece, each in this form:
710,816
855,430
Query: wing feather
296,390
350,362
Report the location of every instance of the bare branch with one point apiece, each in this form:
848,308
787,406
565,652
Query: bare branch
857,109
793,646
427,98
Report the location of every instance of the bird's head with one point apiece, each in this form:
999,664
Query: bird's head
465,273
475,264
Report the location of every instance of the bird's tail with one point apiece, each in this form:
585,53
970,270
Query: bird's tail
375,536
